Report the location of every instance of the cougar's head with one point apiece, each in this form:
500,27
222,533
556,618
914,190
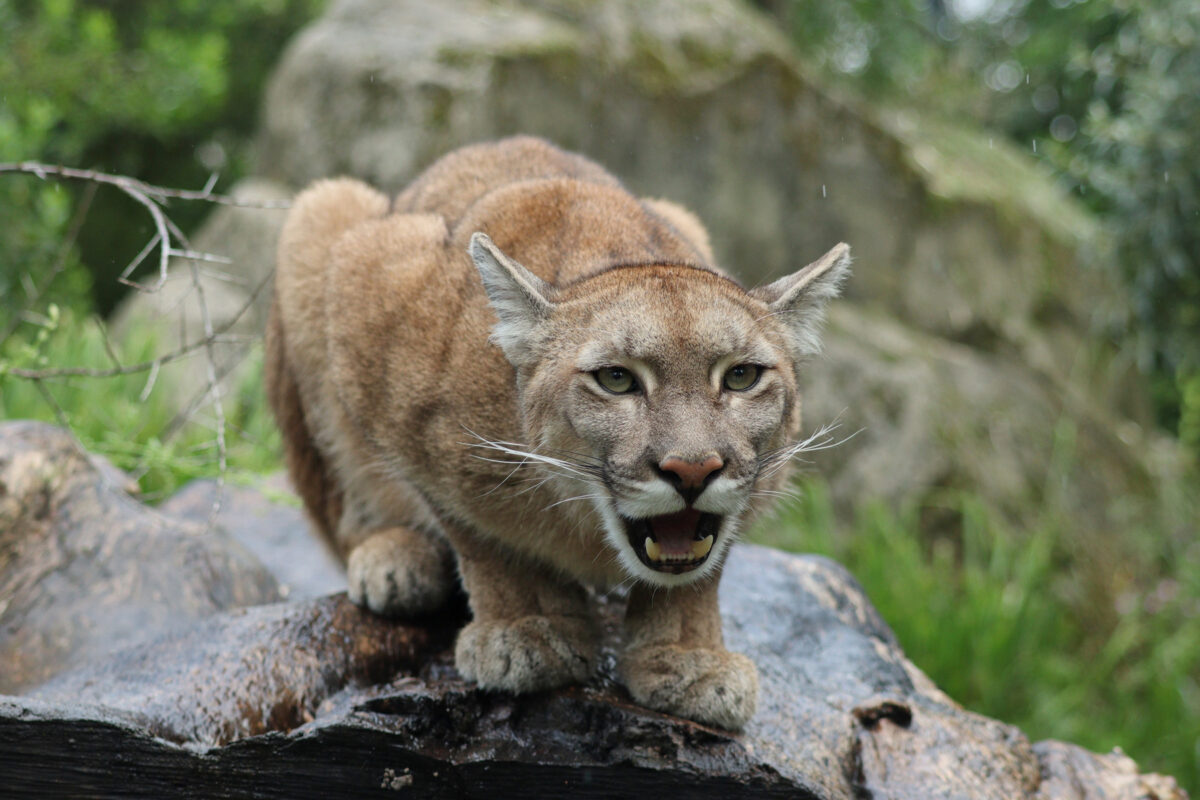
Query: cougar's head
668,389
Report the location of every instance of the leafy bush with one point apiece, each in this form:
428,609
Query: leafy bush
166,92
140,431
1107,92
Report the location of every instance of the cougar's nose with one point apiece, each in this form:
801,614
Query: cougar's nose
690,477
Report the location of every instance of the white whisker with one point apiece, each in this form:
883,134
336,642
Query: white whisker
584,471
576,497
821,439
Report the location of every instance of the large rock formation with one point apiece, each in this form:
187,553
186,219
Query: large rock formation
963,355
319,699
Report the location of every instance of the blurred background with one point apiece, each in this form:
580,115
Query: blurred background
1018,359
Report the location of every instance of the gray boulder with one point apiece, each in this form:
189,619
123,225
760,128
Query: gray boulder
85,569
704,103
963,354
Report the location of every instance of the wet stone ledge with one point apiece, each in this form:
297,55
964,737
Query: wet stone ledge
243,695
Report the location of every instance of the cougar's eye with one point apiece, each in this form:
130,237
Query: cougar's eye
617,380
741,377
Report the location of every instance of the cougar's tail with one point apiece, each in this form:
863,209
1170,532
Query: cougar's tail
296,332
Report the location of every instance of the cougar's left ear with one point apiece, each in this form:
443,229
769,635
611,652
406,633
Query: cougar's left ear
799,299
520,299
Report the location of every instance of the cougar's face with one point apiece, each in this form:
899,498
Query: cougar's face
676,390
669,390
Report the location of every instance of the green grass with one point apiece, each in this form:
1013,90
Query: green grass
109,415
994,618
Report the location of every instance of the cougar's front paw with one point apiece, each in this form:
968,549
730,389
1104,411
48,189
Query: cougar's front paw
715,687
526,654
398,572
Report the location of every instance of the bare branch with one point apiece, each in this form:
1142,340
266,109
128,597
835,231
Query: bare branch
126,183
170,242
51,373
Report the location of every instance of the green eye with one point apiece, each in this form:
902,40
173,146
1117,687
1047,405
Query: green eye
617,380
741,377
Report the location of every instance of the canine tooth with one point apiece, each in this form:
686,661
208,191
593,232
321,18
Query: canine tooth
700,549
653,550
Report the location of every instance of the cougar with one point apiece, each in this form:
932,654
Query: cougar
517,375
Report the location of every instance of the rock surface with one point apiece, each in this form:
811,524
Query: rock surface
267,520
919,413
85,569
277,701
318,698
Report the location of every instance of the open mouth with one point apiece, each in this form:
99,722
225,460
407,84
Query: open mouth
674,543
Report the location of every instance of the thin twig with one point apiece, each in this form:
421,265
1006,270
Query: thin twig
108,348
176,423
51,373
214,383
125,183
59,413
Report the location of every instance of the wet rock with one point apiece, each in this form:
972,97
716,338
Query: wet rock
319,698
268,521
86,569
250,671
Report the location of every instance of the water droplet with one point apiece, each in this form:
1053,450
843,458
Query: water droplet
822,190
1035,145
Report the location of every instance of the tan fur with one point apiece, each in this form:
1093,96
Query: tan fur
428,394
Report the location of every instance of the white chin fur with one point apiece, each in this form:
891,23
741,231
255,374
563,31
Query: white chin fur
615,532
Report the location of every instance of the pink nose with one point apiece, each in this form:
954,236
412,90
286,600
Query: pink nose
692,474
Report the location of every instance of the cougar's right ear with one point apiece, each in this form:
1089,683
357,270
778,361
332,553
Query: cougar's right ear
520,299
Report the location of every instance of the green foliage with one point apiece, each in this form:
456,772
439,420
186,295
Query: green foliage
166,92
993,619
110,416
1107,92
1110,89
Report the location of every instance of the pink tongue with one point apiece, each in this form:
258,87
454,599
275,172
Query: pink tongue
675,532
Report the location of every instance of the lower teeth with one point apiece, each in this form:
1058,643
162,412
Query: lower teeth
700,549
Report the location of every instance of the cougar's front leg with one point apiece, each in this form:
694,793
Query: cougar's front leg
675,659
531,629
393,566
400,572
